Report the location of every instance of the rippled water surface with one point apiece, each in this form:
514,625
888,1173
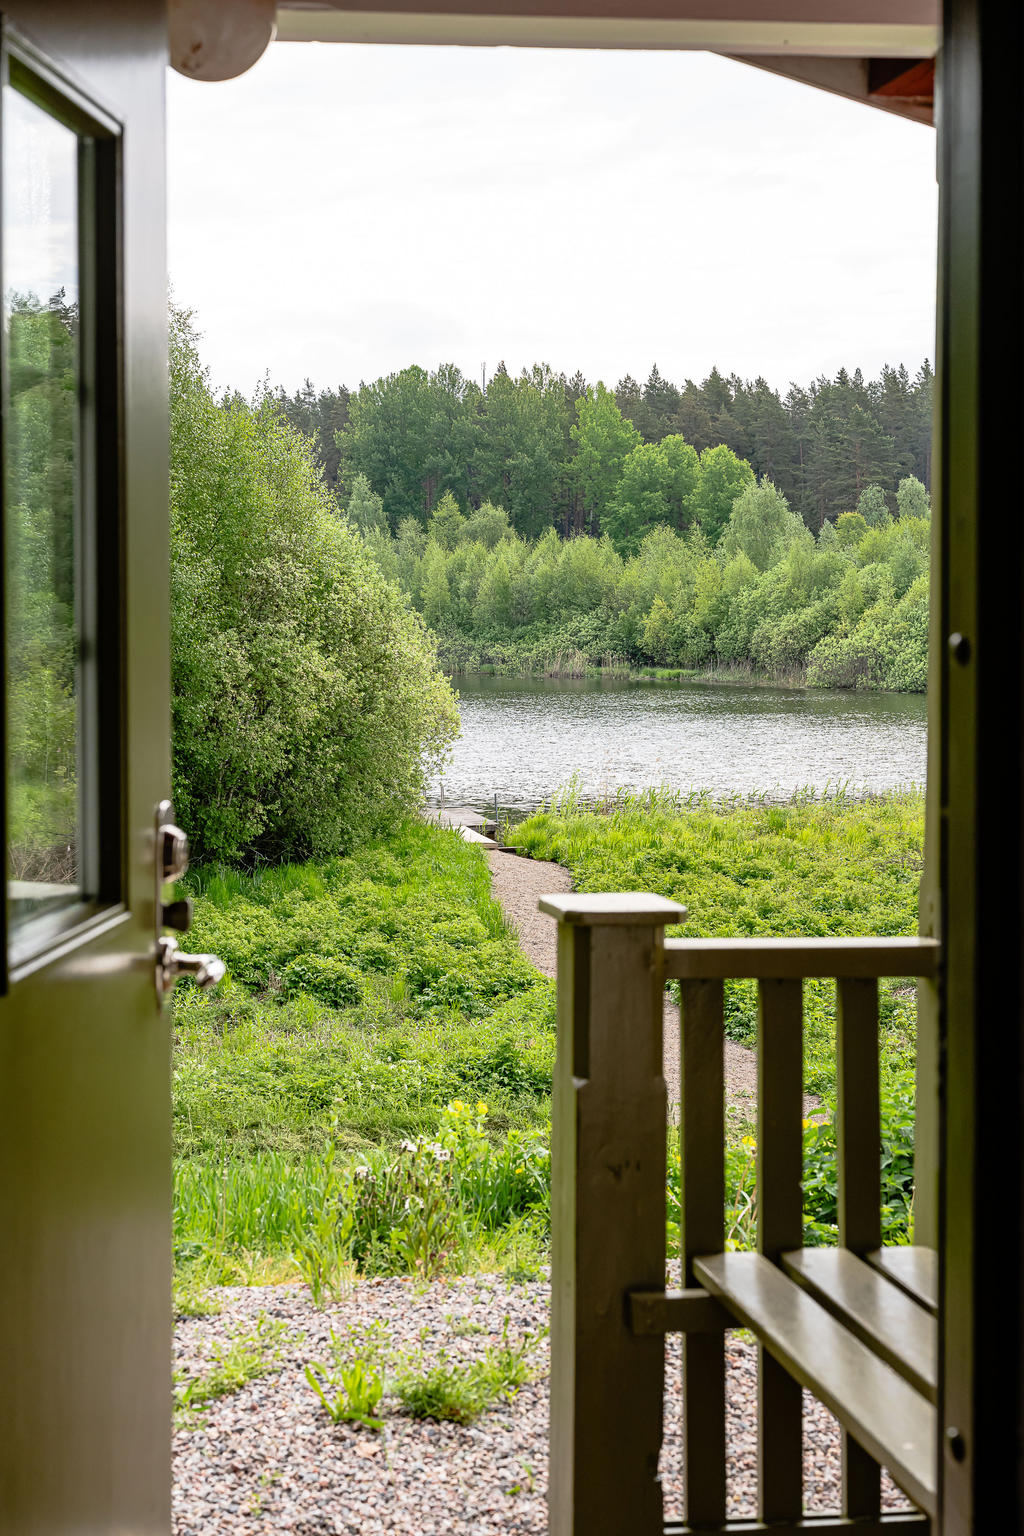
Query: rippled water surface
523,738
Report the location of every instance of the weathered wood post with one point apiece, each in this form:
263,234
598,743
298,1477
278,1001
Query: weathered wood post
608,1213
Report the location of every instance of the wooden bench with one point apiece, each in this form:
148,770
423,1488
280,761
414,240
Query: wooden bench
856,1324
836,1325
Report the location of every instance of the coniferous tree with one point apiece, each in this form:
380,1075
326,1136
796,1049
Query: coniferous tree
629,398
658,407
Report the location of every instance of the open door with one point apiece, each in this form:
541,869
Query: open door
85,1161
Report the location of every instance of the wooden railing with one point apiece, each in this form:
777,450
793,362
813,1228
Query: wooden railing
856,1324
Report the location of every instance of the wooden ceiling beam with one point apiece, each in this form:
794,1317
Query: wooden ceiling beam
857,29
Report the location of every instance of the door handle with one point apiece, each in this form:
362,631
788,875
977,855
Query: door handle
171,964
206,971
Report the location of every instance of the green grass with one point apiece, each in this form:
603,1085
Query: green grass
327,1099
247,1356
813,867
428,1207
441,1384
364,995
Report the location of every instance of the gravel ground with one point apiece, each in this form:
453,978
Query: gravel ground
519,883
269,1460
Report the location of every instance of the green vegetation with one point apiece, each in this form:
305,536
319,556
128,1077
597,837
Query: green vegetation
816,867
443,1385
460,1391
369,1091
370,1087
248,1355
369,1094
307,700
846,610
812,867
551,450
39,535
544,524
364,995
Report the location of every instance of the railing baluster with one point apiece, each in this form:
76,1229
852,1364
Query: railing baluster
858,1145
779,1227
859,1139
702,1226
609,1147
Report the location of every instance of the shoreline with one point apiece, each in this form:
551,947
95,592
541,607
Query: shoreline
726,677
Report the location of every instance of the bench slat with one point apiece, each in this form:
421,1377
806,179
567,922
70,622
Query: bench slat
915,1270
882,1315
891,1523
883,1412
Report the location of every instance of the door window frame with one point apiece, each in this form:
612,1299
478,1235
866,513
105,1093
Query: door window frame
99,514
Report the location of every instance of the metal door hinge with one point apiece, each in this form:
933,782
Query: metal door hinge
171,863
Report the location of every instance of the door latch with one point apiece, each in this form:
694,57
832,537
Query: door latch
171,863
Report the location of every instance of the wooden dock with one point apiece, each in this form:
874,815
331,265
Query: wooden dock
471,826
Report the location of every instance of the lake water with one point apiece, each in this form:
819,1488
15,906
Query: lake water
524,738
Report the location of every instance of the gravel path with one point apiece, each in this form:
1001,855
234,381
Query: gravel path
268,1459
518,883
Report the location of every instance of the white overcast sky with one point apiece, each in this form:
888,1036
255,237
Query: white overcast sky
343,211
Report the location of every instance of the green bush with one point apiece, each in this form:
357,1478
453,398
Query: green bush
307,704
820,1179
329,980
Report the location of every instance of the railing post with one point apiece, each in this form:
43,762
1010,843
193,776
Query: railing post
608,1164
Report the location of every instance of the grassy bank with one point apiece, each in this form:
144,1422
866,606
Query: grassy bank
365,995
811,867
369,1092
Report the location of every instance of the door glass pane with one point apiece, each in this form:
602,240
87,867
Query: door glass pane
40,256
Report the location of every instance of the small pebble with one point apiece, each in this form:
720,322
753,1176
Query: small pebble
269,1460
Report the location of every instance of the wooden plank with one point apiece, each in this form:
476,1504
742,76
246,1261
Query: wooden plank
791,958
859,1135
631,907
456,816
779,1227
689,1311
702,1227
910,1522
908,29
888,1418
896,1328
609,1145
914,1268
477,838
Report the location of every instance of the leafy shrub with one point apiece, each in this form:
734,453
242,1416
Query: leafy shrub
306,699
329,980
411,1213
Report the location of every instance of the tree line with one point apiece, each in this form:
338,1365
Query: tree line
844,608
554,451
